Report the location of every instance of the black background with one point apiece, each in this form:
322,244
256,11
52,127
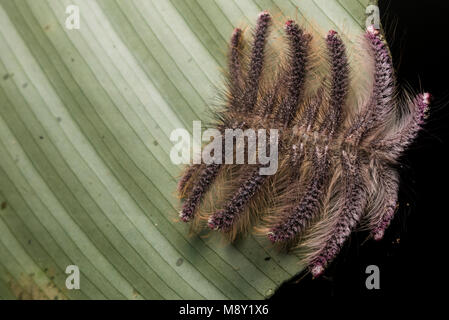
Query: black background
412,255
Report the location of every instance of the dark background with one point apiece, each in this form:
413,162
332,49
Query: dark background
412,255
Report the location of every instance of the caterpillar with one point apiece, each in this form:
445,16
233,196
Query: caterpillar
339,143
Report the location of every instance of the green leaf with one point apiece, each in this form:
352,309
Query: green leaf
85,120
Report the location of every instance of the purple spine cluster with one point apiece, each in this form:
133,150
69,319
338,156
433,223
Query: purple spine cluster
298,47
381,102
383,78
308,206
186,177
225,218
234,57
257,59
409,133
340,79
391,184
235,81
404,137
349,217
206,177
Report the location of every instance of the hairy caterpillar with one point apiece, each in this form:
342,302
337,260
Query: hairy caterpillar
337,146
